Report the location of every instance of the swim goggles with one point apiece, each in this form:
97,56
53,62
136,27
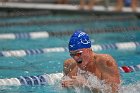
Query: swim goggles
78,54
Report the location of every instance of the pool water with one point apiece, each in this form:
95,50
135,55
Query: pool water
53,62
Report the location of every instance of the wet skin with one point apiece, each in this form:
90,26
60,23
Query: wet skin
101,65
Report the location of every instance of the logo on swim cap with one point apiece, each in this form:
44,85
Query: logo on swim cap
79,40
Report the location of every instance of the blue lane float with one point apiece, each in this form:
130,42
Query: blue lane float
50,79
115,46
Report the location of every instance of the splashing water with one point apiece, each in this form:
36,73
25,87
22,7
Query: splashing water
96,83
131,88
92,84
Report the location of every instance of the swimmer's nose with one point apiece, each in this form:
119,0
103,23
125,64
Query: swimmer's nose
76,58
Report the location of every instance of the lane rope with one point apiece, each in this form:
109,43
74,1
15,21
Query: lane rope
46,34
115,46
50,79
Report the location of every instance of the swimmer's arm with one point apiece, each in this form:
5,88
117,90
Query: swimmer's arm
70,68
80,81
74,81
110,72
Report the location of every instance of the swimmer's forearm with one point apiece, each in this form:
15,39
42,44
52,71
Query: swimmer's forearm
73,81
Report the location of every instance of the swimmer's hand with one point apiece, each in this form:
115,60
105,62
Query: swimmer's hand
78,81
74,81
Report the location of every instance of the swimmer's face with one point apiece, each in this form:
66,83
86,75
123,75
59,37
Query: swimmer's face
76,55
81,56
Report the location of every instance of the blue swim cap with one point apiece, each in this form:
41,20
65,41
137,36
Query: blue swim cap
79,40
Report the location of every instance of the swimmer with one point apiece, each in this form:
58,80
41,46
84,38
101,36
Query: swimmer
90,4
126,3
103,66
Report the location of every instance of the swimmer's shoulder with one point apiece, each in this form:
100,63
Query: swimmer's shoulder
103,56
105,59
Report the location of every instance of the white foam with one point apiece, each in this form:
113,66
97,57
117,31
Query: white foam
131,88
53,78
94,82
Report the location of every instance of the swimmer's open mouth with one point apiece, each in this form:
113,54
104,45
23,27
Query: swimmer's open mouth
79,62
